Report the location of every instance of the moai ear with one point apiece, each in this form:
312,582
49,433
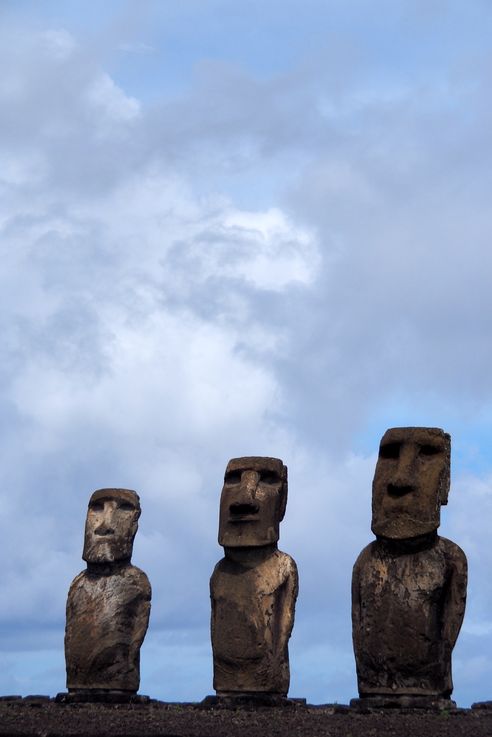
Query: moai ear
283,492
445,480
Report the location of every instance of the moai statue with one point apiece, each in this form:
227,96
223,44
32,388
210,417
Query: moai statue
108,604
254,587
409,585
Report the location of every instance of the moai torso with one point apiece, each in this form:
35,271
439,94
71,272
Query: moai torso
409,585
108,604
254,588
107,618
252,620
407,611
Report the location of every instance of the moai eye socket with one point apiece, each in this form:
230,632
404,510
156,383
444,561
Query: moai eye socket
390,450
126,506
97,506
269,477
429,450
233,477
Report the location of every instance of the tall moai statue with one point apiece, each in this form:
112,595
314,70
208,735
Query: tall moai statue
254,587
409,585
108,604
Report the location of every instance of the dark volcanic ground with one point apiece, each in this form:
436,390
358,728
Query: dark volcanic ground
49,719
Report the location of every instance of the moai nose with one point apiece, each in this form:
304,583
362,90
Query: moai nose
249,483
105,526
405,472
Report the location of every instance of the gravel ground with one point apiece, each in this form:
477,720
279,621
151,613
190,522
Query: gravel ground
49,719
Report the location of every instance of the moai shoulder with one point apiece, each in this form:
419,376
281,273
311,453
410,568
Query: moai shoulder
254,587
275,572
409,585
108,604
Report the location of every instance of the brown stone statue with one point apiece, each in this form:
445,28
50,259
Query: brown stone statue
409,585
254,587
108,604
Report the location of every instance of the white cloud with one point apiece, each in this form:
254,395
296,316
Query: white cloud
59,43
110,104
21,170
276,253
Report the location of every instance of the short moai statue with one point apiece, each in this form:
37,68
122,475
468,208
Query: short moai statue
409,585
254,587
108,604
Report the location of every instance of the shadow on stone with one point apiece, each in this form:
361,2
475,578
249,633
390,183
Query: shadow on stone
249,701
429,703
102,696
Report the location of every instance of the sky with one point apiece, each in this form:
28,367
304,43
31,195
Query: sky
238,228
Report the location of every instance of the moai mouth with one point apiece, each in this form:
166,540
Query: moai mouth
243,512
398,491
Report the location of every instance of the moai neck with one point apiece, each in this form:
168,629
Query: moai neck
409,544
251,556
107,568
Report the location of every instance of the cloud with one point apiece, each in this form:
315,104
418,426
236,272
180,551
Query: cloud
110,103
136,48
131,354
59,44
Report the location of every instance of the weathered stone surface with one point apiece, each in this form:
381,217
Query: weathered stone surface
409,585
111,526
411,482
108,604
254,587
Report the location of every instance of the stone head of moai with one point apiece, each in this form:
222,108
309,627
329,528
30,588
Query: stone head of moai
411,482
253,501
111,525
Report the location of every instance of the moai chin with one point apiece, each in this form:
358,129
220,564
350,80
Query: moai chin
409,585
254,587
108,604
